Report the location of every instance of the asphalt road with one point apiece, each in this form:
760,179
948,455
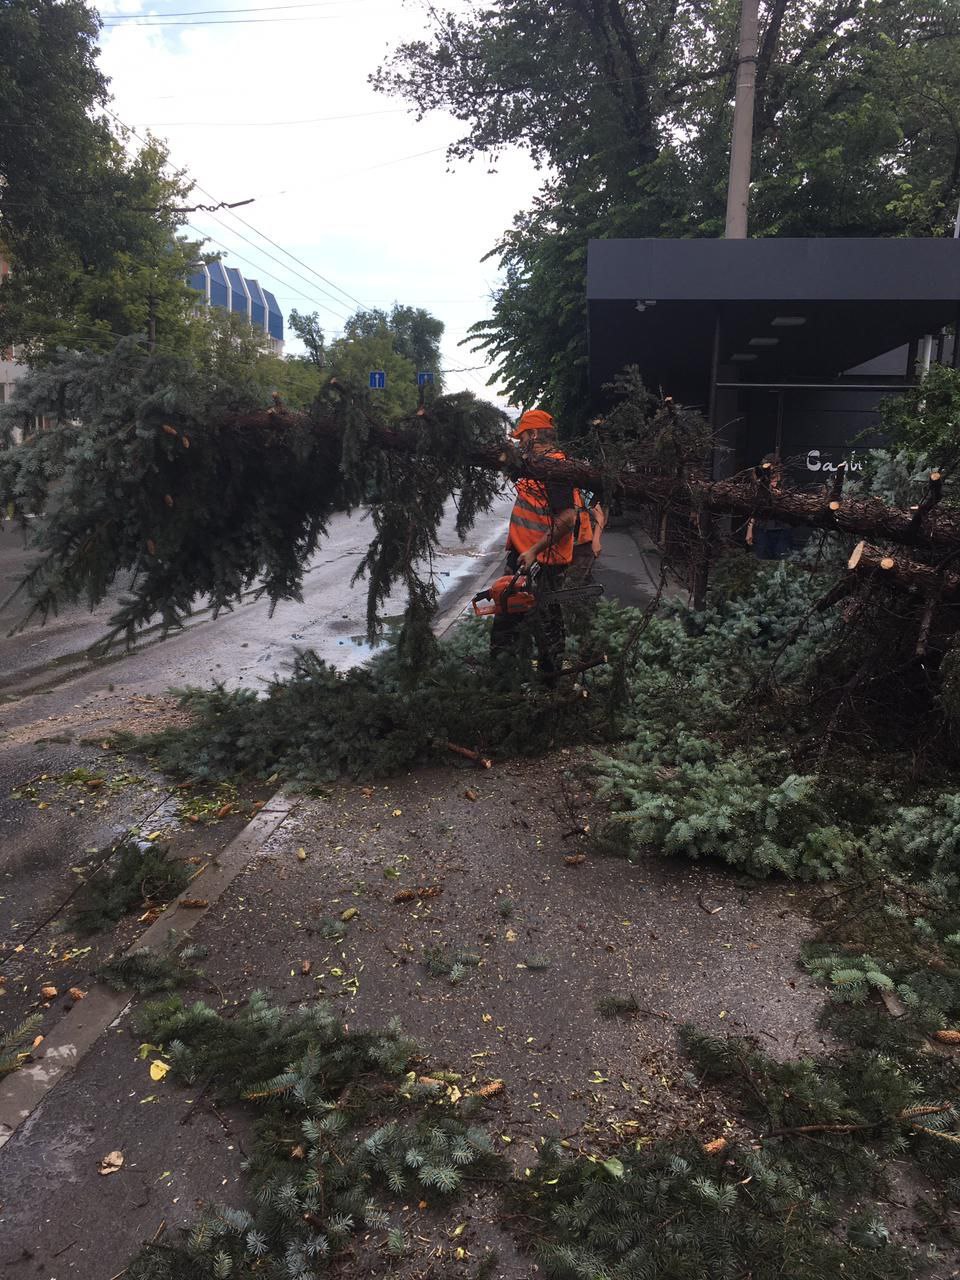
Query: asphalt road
242,647
56,704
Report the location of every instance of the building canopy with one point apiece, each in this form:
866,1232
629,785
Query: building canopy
780,310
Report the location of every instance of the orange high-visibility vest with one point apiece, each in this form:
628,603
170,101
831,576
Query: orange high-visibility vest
531,518
584,525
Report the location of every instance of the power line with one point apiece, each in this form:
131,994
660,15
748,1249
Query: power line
195,13
267,124
349,296
215,22
274,258
263,236
267,273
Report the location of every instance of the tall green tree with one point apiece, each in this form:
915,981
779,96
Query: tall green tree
414,333
88,222
627,108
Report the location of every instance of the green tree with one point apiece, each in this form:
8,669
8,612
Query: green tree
89,224
627,107
354,357
307,328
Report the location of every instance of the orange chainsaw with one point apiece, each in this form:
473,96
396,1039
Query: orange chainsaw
517,594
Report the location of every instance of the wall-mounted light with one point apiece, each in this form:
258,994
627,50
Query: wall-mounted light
763,342
788,322
742,356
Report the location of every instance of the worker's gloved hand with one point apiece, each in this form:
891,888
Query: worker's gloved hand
527,561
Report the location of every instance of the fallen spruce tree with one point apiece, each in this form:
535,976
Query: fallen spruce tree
153,470
714,723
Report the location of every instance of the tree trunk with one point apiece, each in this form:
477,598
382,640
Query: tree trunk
744,496
902,574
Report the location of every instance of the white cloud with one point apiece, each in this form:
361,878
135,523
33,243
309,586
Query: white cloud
356,199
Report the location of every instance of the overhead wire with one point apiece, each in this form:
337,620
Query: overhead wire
195,13
269,240
269,275
268,124
217,22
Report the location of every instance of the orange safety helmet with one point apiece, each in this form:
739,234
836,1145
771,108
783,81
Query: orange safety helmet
534,420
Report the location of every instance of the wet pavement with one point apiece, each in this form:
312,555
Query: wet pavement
56,709
551,939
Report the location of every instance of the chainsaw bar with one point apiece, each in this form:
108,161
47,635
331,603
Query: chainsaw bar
570,595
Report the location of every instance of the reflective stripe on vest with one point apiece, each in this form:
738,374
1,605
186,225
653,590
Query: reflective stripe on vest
531,518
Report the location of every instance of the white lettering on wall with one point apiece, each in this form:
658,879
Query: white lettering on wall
816,462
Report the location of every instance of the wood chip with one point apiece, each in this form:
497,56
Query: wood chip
49,993
194,904
575,859
489,1090
112,1162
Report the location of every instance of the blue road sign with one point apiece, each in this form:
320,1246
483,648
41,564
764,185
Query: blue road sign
378,379
425,378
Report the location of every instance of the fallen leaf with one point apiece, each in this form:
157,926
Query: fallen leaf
111,1162
298,1152
49,993
349,913
422,1204
158,1069
37,1041
306,966
715,1147
76,994
398,813
224,811
301,854
614,1166
470,794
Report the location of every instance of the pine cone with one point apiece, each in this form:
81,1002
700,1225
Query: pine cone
947,1037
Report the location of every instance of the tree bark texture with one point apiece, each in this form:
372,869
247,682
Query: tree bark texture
905,575
742,496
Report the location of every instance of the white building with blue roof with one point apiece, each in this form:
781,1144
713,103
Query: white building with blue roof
227,288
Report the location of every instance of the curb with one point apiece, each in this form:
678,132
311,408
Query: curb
77,1032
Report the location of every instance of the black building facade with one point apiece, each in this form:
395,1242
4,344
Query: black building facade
786,345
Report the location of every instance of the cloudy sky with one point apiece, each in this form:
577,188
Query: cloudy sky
271,100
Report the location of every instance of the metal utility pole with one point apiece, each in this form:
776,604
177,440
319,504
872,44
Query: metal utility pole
741,147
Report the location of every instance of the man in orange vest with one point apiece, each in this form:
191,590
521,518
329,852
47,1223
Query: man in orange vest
541,532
